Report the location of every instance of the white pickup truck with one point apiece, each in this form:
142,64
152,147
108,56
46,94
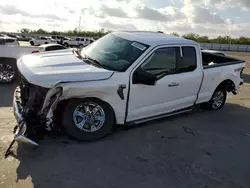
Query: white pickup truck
8,61
123,78
10,54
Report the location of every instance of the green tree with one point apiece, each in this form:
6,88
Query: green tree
175,34
25,30
191,36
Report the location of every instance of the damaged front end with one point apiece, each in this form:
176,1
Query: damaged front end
33,108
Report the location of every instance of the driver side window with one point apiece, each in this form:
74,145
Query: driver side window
162,61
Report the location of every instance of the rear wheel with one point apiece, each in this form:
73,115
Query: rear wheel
31,43
46,43
217,101
66,44
88,119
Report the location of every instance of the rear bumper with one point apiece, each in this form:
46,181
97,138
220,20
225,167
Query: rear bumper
21,129
235,92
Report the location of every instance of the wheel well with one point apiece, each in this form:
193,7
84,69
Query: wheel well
227,84
61,105
9,60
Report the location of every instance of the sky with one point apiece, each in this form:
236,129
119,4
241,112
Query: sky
204,17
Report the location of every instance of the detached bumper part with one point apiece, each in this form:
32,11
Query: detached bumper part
26,128
21,126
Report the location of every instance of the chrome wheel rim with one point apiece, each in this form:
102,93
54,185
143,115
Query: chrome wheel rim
218,99
7,73
89,117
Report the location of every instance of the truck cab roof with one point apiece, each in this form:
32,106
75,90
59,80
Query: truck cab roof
153,38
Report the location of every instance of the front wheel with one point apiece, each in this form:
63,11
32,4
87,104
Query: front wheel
8,72
217,101
81,46
88,119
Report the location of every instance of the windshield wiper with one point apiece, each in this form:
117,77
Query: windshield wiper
95,62
89,60
78,54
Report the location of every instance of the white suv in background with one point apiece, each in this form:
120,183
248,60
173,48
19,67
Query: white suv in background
41,40
78,41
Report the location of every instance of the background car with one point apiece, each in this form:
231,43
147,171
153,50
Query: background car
59,39
5,40
50,47
78,41
41,40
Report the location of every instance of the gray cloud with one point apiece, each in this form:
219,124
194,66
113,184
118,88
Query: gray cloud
71,11
204,16
115,12
110,25
13,10
232,3
127,1
243,4
54,25
148,13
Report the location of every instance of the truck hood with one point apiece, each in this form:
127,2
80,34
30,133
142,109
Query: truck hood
48,69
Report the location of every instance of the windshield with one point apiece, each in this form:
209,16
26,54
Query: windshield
114,52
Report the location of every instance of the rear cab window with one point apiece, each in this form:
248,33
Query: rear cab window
188,61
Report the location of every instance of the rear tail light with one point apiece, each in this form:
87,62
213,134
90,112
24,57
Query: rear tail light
33,52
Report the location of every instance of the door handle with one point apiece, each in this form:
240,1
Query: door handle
173,85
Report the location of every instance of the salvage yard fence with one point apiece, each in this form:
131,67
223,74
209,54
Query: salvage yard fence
226,47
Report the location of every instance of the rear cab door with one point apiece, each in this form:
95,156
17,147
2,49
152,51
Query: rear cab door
179,72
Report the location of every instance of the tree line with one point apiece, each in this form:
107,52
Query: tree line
75,32
102,32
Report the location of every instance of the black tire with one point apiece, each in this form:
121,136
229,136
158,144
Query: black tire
32,43
81,46
12,66
46,43
66,44
210,104
73,131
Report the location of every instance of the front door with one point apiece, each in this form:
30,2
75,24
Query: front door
179,79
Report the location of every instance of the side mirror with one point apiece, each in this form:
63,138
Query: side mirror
142,77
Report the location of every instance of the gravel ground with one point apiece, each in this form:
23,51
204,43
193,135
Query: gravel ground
200,149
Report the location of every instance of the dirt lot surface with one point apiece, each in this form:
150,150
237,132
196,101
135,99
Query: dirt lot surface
197,150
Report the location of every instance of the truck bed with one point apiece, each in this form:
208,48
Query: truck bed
210,60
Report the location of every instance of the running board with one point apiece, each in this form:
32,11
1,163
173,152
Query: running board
159,116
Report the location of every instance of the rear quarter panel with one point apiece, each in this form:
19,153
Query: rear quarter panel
214,76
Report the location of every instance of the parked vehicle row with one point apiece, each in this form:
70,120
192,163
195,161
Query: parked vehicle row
88,93
75,41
